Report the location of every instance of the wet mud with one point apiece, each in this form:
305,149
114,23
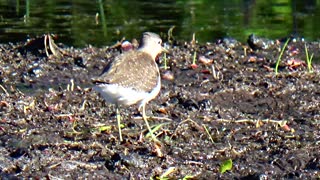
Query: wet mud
218,101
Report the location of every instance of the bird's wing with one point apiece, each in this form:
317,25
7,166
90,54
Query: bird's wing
133,69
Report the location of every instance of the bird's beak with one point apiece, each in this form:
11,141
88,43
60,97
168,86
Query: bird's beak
164,50
96,80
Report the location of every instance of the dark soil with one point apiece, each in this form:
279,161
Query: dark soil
229,105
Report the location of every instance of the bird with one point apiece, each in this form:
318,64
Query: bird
133,77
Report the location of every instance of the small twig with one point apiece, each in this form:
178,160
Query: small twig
154,118
83,106
194,57
209,135
193,41
187,120
216,75
72,84
280,122
4,90
167,172
117,44
78,163
70,87
63,115
45,45
245,51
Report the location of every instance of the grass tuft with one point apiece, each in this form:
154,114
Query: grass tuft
308,59
281,53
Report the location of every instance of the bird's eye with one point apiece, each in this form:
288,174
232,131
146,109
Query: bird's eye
159,42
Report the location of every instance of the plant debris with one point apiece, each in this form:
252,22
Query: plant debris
225,103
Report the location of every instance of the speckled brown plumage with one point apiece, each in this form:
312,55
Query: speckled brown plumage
133,77
133,69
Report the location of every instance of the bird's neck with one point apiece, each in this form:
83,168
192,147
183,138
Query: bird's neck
149,50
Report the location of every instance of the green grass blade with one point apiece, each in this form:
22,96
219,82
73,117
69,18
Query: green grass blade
281,53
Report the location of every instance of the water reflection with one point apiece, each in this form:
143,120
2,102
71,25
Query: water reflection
81,22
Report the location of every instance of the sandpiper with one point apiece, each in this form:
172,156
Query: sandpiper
132,77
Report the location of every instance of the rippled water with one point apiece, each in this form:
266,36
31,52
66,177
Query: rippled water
81,22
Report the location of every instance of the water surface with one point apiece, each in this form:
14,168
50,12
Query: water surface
102,22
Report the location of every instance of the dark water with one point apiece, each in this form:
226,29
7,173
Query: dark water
77,23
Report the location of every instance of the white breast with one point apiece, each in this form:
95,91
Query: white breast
119,95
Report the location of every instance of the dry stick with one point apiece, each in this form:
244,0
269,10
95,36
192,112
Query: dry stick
210,137
45,45
4,90
78,163
245,51
216,74
279,122
184,121
119,123
83,105
63,115
154,118
168,172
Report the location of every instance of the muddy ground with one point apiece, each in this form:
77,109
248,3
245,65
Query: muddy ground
229,104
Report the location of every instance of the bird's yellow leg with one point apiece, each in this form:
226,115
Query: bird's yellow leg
119,122
146,121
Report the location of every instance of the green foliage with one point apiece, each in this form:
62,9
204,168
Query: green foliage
308,59
156,128
281,53
103,18
188,177
225,166
194,59
165,61
104,128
